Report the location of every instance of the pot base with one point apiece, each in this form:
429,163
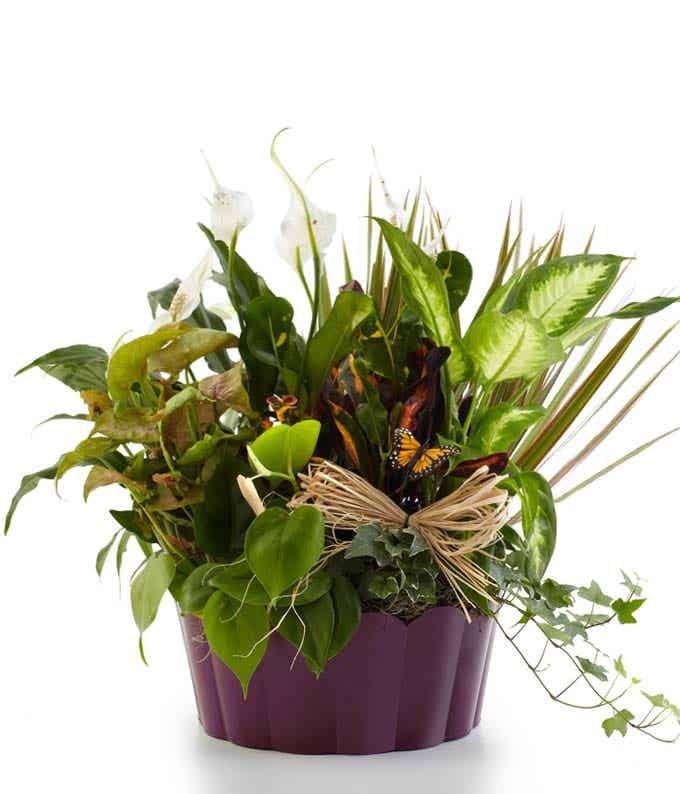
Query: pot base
396,686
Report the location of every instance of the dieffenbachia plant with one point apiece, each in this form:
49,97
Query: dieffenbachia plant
211,432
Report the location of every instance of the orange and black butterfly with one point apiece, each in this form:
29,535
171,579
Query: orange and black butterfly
417,459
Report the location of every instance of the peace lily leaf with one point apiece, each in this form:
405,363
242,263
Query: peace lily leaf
590,668
457,272
237,634
539,522
147,590
561,292
625,609
281,548
268,328
286,449
424,289
79,366
619,722
594,594
189,347
103,553
347,608
310,628
502,425
196,589
91,449
513,345
128,424
336,338
28,483
128,364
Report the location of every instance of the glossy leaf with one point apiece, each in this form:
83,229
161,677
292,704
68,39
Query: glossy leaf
457,272
539,522
91,449
286,449
237,634
502,425
196,590
268,328
148,588
347,608
310,629
189,347
507,346
79,367
282,547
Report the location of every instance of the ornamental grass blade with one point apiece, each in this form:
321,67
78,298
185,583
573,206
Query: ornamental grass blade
346,263
595,442
628,456
552,431
369,232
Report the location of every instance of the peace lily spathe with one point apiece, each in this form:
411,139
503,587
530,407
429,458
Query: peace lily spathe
293,240
230,210
188,295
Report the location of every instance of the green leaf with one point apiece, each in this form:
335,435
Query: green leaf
625,609
147,590
383,584
130,520
103,553
590,668
286,449
365,543
128,364
425,292
189,347
619,722
556,595
539,522
561,292
658,701
268,328
457,272
28,483
513,345
282,547
633,587
237,634
336,338
128,424
91,449
120,553
594,594
196,589
310,628
644,308
556,635
502,425
619,667
347,607
80,367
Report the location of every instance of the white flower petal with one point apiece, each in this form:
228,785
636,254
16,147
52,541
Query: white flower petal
164,318
398,215
231,212
294,235
188,296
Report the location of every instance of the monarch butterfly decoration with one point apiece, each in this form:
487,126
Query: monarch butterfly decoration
419,460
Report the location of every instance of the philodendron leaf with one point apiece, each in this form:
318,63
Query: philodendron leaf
282,547
128,364
310,629
336,338
539,522
237,634
424,289
147,590
502,425
512,345
189,347
196,589
562,291
347,606
28,483
80,367
286,449
457,272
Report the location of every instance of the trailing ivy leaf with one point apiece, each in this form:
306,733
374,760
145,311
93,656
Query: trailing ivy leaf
79,366
424,290
365,544
619,666
556,635
28,483
590,668
196,589
336,338
310,628
103,553
594,594
502,425
237,634
631,586
513,345
457,272
286,449
557,595
619,722
658,701
189,347
147,590
128,364
625,609
282,547
382,584
539,522
347,608
562,291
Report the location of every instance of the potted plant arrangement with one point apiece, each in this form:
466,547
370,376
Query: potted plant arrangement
347,514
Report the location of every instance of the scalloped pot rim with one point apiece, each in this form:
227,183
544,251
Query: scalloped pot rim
396,686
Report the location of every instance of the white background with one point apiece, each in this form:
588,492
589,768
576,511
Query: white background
570,107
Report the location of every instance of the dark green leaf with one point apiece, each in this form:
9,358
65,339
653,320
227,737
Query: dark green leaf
79,366
196,589
268,328
347,606
457,272
310,628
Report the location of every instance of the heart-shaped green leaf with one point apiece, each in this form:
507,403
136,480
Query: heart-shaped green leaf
147,590
310,629
286,449
281,547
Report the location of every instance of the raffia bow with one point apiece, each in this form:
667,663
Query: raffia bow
467,520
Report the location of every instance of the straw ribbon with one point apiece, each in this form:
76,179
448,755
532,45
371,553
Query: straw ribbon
465,521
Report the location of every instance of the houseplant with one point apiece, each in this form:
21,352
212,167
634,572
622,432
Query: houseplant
345,516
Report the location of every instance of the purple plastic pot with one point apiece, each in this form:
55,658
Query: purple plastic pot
396,686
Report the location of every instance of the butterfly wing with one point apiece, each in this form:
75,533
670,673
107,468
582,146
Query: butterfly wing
405,447
431,458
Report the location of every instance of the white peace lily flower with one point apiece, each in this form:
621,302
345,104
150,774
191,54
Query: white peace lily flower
294,235
230,210
224,310
434,245
398,216
188,295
